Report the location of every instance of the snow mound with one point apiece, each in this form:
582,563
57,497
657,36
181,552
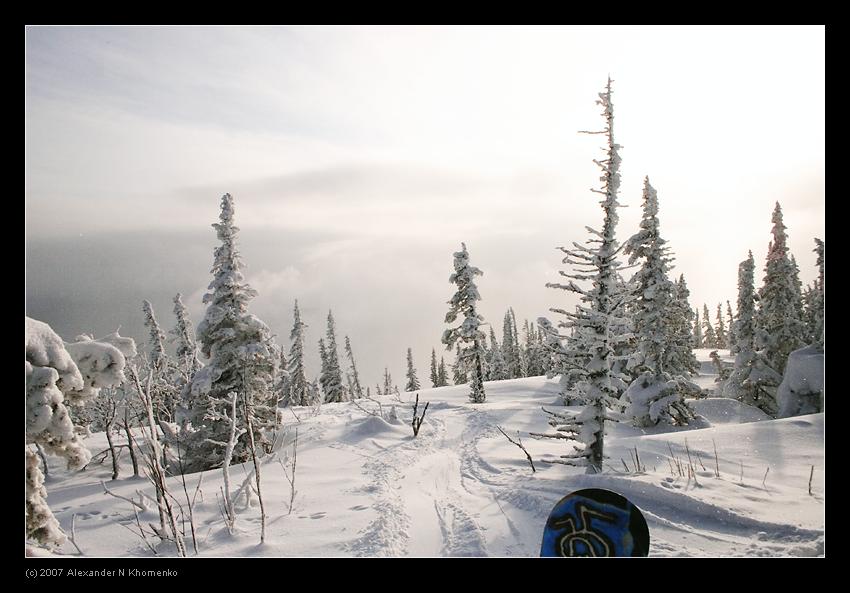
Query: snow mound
371,426
723,410
801,390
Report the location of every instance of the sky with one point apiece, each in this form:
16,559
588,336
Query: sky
359,158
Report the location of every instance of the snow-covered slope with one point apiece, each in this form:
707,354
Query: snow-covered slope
366,487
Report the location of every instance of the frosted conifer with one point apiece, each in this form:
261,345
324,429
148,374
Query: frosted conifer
298,386
752,380
243,358
412,380
596,264
731,340
698,339
709,337
356,389
442,376
720,331
468,332
779,329
435,380
654,394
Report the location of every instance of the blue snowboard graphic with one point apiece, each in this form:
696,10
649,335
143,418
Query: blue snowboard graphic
595,522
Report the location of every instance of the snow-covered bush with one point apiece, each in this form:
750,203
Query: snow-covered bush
57,374
650,400
801,390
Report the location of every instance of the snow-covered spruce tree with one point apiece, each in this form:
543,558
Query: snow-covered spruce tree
518,348
468,332
183,336
54,381
679,356
779,329
282,383
442,375
412,381
333,386
697,333
388,382
323,372
720,330
597,264
498,367
158,357
187,363
533,348
819,301
298,385
709,337
356,388
510,346
435,380
752,380
731,340
165,392
242,358
654,395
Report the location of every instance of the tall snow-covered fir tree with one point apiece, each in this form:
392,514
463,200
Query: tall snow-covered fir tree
165,392
697,333
323,372
519,352
510,346
188,362
468,332
412,380
752,380
299,391
679,357
709,337
654,394
534,366
498,368
282,384
818,301
731,340
388,382
435,379
779,329
720,330
597,264
652,286
243,358
158,357
356,388
183,336
333,386
442,375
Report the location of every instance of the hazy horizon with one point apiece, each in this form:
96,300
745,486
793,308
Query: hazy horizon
359,158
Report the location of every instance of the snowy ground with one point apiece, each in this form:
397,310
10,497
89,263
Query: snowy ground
366,487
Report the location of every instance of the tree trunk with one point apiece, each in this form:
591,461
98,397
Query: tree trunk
130,444
109,427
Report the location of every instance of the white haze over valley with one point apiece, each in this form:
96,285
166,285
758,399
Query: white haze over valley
360,158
